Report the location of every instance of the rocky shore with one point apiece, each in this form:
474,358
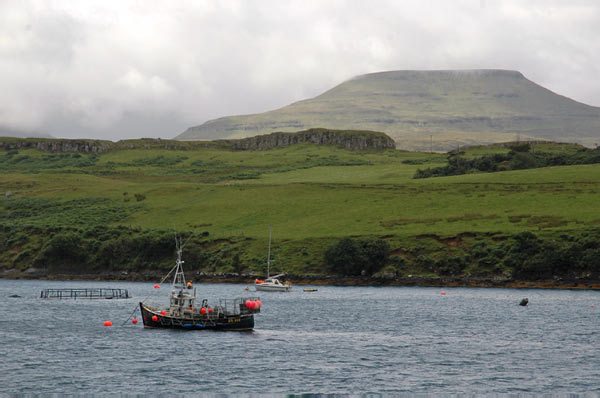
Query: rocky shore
331,280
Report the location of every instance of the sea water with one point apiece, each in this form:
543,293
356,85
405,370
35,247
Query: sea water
345,340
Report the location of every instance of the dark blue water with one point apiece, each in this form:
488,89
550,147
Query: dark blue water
347,340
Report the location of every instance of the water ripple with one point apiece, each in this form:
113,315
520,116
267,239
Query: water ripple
353,340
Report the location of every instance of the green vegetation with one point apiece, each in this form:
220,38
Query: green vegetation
520,157
118,211
362,257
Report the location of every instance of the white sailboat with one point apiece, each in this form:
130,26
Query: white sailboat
271,283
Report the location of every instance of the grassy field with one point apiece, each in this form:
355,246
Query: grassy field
312,195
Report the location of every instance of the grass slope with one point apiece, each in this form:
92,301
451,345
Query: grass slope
312,195
455,107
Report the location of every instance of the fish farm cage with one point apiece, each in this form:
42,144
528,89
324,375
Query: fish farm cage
91,293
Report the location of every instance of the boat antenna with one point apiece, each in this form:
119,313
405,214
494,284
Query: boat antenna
179,278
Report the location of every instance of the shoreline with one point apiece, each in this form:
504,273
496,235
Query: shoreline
323,280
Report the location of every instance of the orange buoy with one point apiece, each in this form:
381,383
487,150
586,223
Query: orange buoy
134,321
443,293
189,285
157,286
154,318
108,323
163,312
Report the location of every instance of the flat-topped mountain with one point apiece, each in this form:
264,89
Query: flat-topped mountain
449,108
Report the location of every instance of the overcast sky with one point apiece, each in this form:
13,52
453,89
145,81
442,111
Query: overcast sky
128,69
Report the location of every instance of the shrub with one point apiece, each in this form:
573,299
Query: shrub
63,248
350,257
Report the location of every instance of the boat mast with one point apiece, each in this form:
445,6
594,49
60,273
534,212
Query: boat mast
269,255
179,278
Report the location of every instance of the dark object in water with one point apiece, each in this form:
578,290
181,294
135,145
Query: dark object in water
524,302
89,293
14,296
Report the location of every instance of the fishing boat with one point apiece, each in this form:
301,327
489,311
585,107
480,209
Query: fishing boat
183,311
271,283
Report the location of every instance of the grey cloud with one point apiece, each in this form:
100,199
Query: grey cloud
125,69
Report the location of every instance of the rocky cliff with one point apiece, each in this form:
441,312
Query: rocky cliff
351,140
347,139
57,145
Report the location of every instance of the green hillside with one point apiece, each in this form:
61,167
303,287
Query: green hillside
450,108
117,211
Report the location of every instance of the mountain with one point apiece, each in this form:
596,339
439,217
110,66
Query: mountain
423,108
6,132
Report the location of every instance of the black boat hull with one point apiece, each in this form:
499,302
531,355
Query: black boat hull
154,319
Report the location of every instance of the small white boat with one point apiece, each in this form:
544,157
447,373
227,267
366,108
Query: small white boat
271,283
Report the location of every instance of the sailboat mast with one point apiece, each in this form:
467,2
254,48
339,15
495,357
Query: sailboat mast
269,255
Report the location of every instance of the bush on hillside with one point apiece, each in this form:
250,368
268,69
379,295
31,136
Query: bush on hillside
520,157
63,249
356,257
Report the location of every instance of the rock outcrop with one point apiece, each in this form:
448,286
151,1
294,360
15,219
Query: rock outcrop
351,140
347,139
57,145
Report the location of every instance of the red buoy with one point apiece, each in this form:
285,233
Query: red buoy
203,311
134,321
210,310
163,312
248,303
443,293
108,323
157,286
154,318
258,304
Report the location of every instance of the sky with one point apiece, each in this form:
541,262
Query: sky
129,68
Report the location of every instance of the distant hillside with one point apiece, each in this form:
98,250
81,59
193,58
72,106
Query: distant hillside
450,108
6,132
84,209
